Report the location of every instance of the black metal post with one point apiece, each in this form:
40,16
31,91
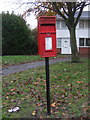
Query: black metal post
47,85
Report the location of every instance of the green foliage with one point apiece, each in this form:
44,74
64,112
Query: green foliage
17,38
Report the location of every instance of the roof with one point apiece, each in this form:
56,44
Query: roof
85,15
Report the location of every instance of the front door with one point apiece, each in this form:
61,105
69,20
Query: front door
65,46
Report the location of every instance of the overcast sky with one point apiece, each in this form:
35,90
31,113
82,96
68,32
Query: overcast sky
15,5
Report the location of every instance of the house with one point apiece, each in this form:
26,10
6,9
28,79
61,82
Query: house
82,35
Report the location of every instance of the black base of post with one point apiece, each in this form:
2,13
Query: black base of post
47,86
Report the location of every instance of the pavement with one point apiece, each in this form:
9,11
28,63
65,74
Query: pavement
22,67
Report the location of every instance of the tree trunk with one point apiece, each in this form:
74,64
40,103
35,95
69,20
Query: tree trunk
75,54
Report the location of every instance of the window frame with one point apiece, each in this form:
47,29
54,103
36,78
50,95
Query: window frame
85,24
62,22
59,42
58,24
84,42
81,22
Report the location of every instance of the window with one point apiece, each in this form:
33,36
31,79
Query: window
84,42
81,24
87,24
87,41
84,24
59,42
81,42
63,24
58,25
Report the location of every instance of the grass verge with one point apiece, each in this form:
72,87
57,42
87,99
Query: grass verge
20,59
27,90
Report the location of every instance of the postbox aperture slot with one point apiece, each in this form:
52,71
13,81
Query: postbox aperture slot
47,24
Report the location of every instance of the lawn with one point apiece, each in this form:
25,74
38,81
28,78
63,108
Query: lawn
27,90
20,59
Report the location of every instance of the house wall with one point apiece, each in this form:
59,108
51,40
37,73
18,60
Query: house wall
58,50
84,51
83,33
80,33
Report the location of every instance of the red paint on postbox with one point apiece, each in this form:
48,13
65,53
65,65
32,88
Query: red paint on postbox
47,36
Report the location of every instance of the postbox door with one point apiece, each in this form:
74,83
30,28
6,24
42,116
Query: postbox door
48,44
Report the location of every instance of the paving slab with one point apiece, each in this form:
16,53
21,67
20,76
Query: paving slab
22,67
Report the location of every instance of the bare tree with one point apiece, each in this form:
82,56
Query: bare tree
70,12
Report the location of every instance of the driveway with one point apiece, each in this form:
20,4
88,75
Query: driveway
22,67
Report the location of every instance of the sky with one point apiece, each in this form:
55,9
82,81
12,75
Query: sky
15,5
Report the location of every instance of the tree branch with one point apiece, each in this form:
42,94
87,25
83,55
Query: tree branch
69,7
57,10
79,14
65,11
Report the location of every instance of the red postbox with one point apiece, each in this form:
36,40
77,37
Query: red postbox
47,36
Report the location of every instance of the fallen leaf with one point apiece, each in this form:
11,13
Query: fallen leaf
34,113
63,91
64,114
13,93
7,97
13,89
69,85
38,104
36,83
4,103
23,98
53,104
44,80
41,117
38,79
55,76
79,82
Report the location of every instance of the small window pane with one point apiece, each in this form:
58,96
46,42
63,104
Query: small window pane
87,41
81,42
81,24
58,25
87,24
63,24
58,42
